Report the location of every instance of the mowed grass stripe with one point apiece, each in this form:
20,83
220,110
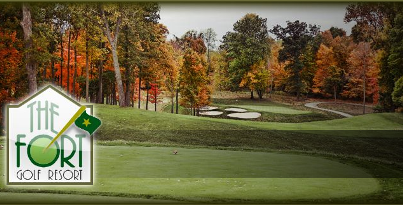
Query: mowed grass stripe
120,170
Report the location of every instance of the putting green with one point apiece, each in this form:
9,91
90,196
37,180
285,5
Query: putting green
274,109
205,175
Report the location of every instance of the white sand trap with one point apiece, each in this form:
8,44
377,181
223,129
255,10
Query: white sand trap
211,113
208,108
245,115
235,110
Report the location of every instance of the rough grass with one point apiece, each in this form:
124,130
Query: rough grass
351,109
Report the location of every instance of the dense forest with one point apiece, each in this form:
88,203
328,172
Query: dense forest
118,53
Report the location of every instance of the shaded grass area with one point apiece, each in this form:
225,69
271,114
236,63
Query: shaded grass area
347,108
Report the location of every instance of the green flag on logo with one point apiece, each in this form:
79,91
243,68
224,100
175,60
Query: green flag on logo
87,122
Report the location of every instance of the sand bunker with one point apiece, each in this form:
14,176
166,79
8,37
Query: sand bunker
245,115
208,108
235,110
211,113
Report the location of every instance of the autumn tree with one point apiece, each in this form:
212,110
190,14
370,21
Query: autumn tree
296,36
380,25
277,70
246,46
363,77
257,78
194,81
370,18
328,77
171,63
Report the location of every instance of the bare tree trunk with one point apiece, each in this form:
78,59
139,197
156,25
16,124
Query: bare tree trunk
155,97
134,94
118,77
334,93
172,104
44,73
75,69
61,59
271,86
251,94
147,96
298,95
100,73
87,80
363,101
127,92
52,67
68,63
30,64
127,66
114,42
177,101
139,98
208,60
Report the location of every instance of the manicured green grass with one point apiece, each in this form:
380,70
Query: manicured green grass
377,121
140,162
273,109
210,175
133,119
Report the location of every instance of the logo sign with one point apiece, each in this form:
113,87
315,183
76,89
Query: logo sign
49,140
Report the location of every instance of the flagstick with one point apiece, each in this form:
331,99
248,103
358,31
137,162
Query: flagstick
75,116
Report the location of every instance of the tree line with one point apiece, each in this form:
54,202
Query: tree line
114,52
300,59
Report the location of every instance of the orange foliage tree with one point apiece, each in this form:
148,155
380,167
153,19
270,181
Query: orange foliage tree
328,77
277,69
257,78
194,89
363,74
11,83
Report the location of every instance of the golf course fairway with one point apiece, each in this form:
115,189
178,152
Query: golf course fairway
216,175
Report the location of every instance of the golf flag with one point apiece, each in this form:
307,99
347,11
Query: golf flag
87,122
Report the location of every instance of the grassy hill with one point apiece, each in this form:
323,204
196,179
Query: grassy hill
366,136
